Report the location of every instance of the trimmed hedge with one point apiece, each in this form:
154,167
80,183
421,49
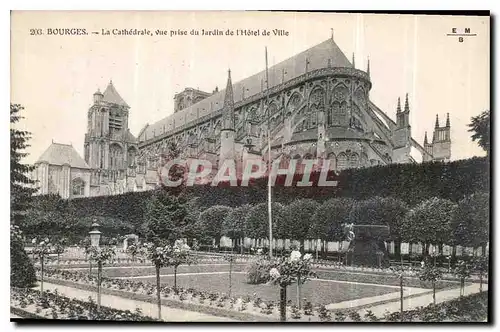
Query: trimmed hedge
411,183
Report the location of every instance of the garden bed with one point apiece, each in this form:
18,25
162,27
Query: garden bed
30,303
243,308
211,307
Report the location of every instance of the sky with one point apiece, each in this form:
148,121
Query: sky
54,77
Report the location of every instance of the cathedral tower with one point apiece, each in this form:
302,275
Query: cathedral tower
110,149
402,133
228,133
441,140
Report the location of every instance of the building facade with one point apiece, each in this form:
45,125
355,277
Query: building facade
315,104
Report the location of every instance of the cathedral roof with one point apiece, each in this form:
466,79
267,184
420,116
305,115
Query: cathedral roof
62,154
131,138
316,57
112,96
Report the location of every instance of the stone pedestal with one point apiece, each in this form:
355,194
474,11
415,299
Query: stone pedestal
364,252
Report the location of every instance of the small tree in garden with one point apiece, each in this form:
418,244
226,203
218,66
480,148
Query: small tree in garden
303,272
257,222
430,272
233,225
179,254
429,222
231,259
299,216
285,271
462,271
159,256
41,251
101,255
85,244
211,221
59,247
481,268
401,273
132,251
471,221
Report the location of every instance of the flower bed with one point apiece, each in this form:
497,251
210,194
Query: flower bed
472,308
246,309
188,299
31,303
82,262
336,266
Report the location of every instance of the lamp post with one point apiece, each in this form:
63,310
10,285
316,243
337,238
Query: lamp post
95,236
247,149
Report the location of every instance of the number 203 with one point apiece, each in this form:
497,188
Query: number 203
36,32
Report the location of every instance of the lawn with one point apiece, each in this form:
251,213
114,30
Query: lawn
369,278
330,288
316,291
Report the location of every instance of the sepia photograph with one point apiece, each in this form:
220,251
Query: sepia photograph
250,166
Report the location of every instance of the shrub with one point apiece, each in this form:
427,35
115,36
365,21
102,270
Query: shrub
296,312
339,316
258,271
370,316
308,308
22,272
354,315
324,314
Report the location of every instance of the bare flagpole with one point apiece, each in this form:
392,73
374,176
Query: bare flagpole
269,210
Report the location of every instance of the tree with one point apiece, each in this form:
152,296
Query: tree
192,229
430,272
231,259
471,221
429,223
329,217
299,218
285,271
165,217
132,251
60,246
177,255
21,186
257,221
480,127
211,221
480,266
401,272
22,272
101,255
233,225
462,271
21,189
159,256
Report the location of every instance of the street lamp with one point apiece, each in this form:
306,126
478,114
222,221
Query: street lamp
95,235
